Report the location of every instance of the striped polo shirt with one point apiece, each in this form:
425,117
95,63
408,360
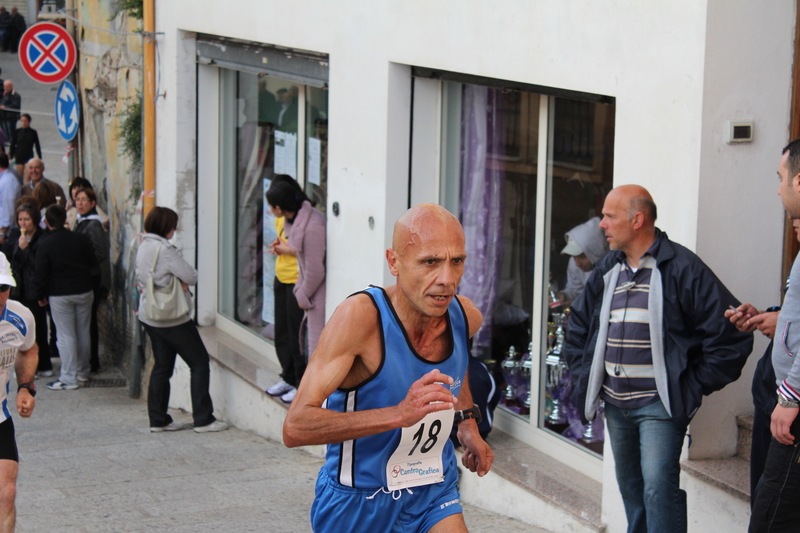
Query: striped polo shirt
630,382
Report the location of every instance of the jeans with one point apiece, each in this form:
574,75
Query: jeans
776,508
647,443
288,317
183,340
72,315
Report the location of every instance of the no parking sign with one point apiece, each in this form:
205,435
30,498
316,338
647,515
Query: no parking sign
47,52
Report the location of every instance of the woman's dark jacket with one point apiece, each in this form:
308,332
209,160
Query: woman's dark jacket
23,264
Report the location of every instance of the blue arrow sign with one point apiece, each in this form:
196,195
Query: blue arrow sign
67,110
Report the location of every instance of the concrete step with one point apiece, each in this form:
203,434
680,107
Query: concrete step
731,475
745,424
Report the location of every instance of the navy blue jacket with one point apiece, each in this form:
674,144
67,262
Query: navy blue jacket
703,350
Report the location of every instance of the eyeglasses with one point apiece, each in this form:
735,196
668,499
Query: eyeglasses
4,288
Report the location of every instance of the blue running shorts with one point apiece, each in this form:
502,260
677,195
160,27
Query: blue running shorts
337,508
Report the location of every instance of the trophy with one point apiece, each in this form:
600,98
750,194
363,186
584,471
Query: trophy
526,366
589,434
557,373
510,369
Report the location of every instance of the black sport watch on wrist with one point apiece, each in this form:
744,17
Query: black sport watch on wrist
473,412
28,386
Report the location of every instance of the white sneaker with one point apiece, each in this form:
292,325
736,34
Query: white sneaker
279,389
172,426
216,425
289,396
59,385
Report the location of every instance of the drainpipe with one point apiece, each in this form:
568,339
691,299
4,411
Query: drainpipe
75,157
149,106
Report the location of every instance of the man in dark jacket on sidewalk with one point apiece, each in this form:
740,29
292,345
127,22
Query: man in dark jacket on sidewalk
649,336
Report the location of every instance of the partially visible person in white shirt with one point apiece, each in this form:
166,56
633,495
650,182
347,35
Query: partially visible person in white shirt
9,192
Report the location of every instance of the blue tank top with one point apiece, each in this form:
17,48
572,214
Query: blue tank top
361,463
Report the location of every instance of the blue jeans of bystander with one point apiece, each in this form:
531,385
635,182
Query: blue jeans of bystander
647,443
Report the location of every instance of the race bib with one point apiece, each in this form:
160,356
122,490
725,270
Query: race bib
418,458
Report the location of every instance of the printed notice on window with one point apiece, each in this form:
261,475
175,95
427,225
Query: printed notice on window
268,261
291,155
280,152
286,153
314,156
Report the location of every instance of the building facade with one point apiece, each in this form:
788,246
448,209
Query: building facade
517,116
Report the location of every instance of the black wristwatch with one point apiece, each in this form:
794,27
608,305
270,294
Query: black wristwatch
474,412
28,386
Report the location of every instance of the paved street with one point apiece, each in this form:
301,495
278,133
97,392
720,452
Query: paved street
89,464
38,100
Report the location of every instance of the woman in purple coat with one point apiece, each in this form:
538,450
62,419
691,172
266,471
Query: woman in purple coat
306,234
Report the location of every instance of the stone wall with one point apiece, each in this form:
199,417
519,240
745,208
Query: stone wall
110,79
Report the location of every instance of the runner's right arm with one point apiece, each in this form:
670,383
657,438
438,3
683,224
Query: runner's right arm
347,346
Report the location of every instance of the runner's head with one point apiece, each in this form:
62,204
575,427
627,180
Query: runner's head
427,257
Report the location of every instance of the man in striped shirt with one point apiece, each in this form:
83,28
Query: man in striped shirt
649,337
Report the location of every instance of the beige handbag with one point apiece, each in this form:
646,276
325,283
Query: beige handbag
166,303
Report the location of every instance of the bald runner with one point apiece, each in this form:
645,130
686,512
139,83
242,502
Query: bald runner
385,385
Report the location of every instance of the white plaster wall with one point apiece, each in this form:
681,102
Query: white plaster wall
649,55
749,50
176,104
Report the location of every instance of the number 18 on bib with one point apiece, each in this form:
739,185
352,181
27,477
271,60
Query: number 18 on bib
418,458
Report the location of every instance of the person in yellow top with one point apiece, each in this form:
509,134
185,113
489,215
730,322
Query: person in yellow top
288,314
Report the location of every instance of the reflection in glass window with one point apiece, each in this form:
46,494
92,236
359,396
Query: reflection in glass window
491,179
273,133
317,146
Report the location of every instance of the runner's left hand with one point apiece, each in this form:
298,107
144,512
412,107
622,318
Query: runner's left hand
478,456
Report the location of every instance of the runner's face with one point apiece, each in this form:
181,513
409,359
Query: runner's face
430,267
4,297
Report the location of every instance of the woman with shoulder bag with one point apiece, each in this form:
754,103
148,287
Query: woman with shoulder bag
161,268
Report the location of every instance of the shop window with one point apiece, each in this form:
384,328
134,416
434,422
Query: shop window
525,169
269,126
